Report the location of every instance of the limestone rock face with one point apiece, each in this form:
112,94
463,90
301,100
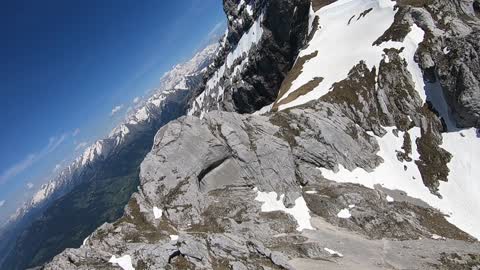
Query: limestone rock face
206,176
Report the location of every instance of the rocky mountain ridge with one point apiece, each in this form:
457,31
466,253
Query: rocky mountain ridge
364,160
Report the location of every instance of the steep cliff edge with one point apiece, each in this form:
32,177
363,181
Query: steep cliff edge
365,161
259,47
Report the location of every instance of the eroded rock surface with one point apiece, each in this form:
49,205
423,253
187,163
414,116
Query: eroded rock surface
205,174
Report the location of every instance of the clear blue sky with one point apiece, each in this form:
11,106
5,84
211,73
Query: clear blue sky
65,64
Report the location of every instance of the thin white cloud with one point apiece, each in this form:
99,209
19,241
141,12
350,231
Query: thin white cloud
75,132
2,203
136,100
80,146
54,143
57,167
116,109
19,167
215,32
30,185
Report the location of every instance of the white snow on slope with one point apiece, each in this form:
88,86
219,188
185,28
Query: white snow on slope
250,38
247,41
157,213
333,252
300,211
85,241
437,237
460,195
124,262
341,46
344,213
142,114
463,186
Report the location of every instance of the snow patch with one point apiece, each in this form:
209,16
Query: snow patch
300,211
333,252
85,241
264,110
173,238
246,42
437,237
333,42
157,212
124,262
460,194
142,114
389,199
249,9
344,213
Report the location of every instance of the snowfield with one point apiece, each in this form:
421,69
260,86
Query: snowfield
300,211
124,262
157,213
342,42
333,252
460,194
344,213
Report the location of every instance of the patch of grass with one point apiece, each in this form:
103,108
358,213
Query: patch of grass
292,76
459,261
397,31
414,3
435,222
318,4
360,84
433,159
286,132
303,90
407,149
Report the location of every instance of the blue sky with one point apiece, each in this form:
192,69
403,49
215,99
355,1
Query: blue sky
66,64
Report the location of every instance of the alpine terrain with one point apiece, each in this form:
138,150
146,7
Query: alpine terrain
322,134
95,187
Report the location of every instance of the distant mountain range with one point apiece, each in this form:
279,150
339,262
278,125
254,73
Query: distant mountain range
165,103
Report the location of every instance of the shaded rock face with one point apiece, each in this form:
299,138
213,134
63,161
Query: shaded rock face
284,36
451,51
462,79
253,80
